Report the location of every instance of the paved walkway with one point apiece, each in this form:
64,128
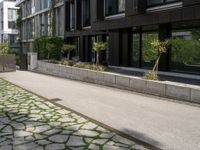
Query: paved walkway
165,124
28,122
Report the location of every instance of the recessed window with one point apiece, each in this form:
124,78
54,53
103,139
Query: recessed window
72,15
113,7
185,50
151,3
86,13
12,17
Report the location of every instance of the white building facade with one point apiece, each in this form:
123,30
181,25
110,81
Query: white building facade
35,21
8,25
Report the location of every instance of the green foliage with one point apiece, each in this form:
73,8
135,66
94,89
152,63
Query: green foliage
100,46
151,75
91,67
17,54
97,47
185,51
52,14
84,65
67,62
148,54
68,47
158,47
51,46
4,48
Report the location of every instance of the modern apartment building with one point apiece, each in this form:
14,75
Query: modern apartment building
129,25
8,27
35,21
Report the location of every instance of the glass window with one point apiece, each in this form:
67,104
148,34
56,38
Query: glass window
12,17
135,52
185,50
148,56
114,7
72,15
86,13
160,2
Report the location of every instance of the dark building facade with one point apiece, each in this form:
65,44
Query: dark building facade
129,25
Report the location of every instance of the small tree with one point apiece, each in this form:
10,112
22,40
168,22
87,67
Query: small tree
158,47
49,47
4,48
97,47
67,48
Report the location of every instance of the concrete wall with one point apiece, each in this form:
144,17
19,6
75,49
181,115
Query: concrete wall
7,63
159,88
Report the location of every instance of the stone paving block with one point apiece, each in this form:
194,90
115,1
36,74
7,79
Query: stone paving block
100,76
92,75
122,81
67,69
109,78
138,84
31,118
83,73
155,88
195,95
178,92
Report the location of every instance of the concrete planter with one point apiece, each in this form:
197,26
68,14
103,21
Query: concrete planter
159,88
7,63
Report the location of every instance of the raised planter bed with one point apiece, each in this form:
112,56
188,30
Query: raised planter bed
7,63
166,89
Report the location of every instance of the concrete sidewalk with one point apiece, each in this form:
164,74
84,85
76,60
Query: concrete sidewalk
167,125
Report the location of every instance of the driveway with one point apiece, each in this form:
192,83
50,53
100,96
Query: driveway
165,124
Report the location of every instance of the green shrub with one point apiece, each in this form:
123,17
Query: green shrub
4,48
67,48
17,54
151,75
67,62
91,67
42,48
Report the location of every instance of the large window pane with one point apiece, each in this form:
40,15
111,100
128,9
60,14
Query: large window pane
114,7
185,51
160,2
135,53
148,56
86,13
72,15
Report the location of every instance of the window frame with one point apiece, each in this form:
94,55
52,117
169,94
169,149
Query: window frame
165,2
118,12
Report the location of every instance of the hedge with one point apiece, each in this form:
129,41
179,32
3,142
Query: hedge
41,47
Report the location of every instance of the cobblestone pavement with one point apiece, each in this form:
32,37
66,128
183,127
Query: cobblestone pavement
28,122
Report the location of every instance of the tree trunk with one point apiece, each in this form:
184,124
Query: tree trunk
97,62
156,64
48,56
68,55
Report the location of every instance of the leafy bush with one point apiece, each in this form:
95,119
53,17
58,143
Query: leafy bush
80,65
17,54
91,67
67,62
4,48
151,75
67,48
44,52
